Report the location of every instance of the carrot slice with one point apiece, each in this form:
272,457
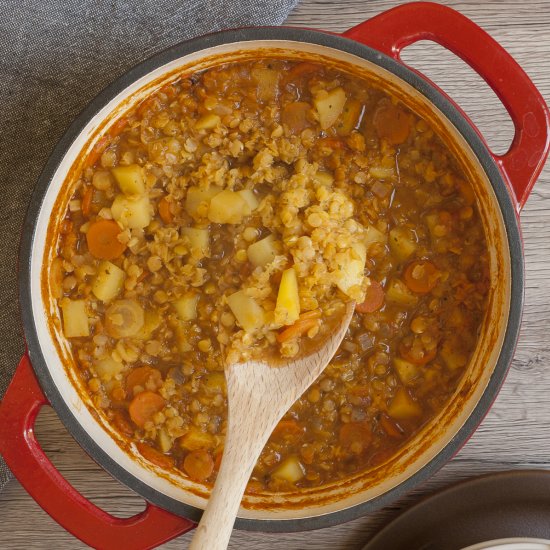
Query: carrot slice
392,123
392,428
199,465
122,424
154,456
421,276
413,350
140,376
373,300
301,326
102,240
288,428
144,406
164,211
86,203
357,434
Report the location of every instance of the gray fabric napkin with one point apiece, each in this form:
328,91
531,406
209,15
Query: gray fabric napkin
55,56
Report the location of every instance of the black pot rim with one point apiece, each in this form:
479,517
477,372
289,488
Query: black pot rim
425,88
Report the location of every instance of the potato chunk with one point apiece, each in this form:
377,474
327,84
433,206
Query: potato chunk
399,293
108,281
186,306
247,311
108,368
402,242
129,179
403,406
75,318
330,106
199,239
407,371
207,122
290,470
198,200
250,198
133,213
262,252
228,207
287,309
352,269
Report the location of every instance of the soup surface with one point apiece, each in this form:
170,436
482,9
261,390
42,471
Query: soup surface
234,212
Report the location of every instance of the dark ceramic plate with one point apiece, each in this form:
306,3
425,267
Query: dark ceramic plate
496,506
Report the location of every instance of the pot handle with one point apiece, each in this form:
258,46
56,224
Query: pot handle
40,478
391,31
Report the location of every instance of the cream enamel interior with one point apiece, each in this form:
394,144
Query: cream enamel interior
306,503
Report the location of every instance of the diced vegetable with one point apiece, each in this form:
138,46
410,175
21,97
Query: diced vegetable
291,470
228,207
288,299
164,440
373,235
129,179
305,323
124,318
374,299
352,269
402,242
194,440
164,211
350,117
403,406
215,381
151,321
199,465
421,276
134,213
267,80
391,427
324,178
382,172
262,252
250,198
207,122
453,354
75,318
198,200
108,281
330,106
392,123
186,306
145,377
154,456
406,370
102,240
199,239
246,310
108,368
144,406
398,293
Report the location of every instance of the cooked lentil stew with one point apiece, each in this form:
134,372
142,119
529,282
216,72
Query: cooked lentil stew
232,213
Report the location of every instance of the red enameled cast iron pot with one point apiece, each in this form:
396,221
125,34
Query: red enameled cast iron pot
502,185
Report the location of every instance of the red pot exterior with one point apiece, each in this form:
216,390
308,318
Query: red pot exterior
388,33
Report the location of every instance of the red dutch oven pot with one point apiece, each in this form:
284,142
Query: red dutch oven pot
503,185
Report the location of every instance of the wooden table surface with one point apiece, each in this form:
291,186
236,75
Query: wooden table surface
516,432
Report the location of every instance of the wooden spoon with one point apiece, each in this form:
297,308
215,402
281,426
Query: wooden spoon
258,395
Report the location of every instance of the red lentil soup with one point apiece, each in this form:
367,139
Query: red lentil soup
238,209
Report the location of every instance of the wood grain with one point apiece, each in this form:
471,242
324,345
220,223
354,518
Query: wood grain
515,433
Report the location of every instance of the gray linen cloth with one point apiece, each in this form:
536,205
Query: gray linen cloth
55,56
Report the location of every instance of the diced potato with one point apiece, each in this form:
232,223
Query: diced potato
402,242
373,235
291,470
352,269
199,239
403,406
382,172
108,368
407,371
186,306
196,197
108,281
288,298
207,122
133,213
129,179
398,293
350,118
228,207
164,440
262,252
247,311
151,321
195,440
75,318
250,198
330,106
324,178
215,381
452,353
267,80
